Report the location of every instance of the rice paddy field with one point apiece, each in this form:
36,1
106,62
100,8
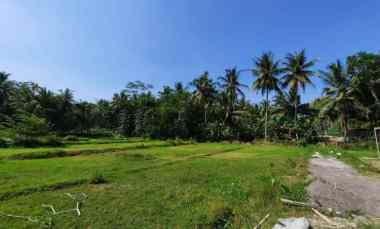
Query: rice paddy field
137,183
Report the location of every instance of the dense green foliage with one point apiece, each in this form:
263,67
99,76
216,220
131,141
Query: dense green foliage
207,110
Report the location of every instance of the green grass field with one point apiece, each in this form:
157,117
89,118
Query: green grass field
152,184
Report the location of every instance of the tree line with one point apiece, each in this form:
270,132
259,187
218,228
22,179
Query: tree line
208,109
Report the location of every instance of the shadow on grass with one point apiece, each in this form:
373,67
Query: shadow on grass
70,153
52,187
67,184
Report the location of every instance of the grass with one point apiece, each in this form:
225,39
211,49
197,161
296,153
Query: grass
76,149
154,184
356,157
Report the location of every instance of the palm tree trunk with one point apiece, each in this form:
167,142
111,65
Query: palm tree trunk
205,113
266,116
372,90
344,127
345,123
295,118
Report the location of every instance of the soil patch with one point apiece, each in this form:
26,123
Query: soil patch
338,186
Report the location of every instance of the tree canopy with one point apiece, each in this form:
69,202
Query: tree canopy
208,108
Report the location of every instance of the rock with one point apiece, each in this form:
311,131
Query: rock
292,223
316,155
317,223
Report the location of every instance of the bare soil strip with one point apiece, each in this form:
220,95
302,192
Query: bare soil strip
340,187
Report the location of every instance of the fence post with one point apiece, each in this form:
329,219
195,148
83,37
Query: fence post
377,142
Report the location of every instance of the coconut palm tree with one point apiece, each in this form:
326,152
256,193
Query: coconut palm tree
5,89
297,75
232,89
283,105
204,92
266,71
339,92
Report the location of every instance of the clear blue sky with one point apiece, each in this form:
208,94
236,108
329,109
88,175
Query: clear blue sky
96,46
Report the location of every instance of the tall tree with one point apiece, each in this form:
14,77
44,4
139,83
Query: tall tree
65,102
5,93
266,70
338,90
204,92
297,75
232,87
85,116
365,70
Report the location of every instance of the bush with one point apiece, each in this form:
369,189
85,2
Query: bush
99,133
5,142
141,146
31,125
176,142
71,138
7,133
28,141
98,178
51,140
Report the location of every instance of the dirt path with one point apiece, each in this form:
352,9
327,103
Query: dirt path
340,187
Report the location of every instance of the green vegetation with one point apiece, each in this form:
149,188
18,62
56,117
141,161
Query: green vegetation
160,185
209,109
361,158
137,159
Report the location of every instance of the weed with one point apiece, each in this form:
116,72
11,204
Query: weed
223,218
5,142
97,178
141,146
137,156
296,192
42,188
71,138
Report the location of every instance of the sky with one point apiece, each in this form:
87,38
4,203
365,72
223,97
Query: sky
95,47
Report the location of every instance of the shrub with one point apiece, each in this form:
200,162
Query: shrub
7,133
98,178
31,125
99,133
176,142
223,218
51,140
39,155
26,141
29,141
5,142
71,138
141,146
295,191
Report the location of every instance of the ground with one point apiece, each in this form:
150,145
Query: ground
139,183
338,186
